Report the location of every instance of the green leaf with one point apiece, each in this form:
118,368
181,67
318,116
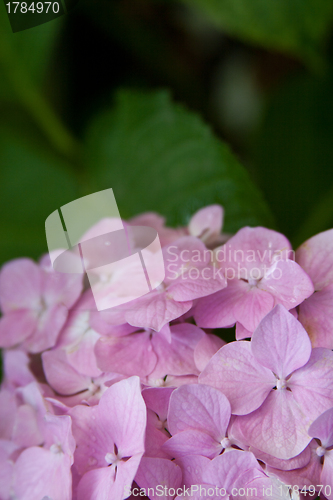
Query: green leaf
295,156
158,156
33,183
297,27
31,48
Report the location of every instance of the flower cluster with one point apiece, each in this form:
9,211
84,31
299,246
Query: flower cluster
145,399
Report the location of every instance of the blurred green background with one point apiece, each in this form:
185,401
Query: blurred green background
173,104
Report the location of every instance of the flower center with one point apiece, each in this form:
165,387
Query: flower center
281,384
112,459
320,451
225,443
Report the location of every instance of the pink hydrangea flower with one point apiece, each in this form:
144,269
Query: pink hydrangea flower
148,353
205,224
315,313
260,275
45,470
278,357
189,274
110,441
35,301
198,418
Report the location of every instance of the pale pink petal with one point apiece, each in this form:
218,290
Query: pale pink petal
130,355
322,428
157,399
207,223
39,472
155,310
156,473
177,357
312,385
16,367
48,328
297,462
253,306
61,288
326,477
7,448
278,427
280,343
156,436
205,350
102,484
192,442
225,469
126,427
8,408
216,310
315,314
241,332
199,407
82,356
305,476
26,431
61,376
16,326
288,283
20,285
234,371
192,468
315,257
253,247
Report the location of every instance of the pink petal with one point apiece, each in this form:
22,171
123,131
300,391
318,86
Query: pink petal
156,473
192,442
253,306
288,283
315,314
278,427
177,357
199,407
101,484
192,468
216,311
253,247
156,436
326,477
322,428
315,257
305,476
312,385
157,399
26,432
225,469
130,355
297,462
207,222
205,350
241,332
155,310
61,288
61,376
39,472
16,367
16,326
280,343
235,371
127,428
48,328
20,285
